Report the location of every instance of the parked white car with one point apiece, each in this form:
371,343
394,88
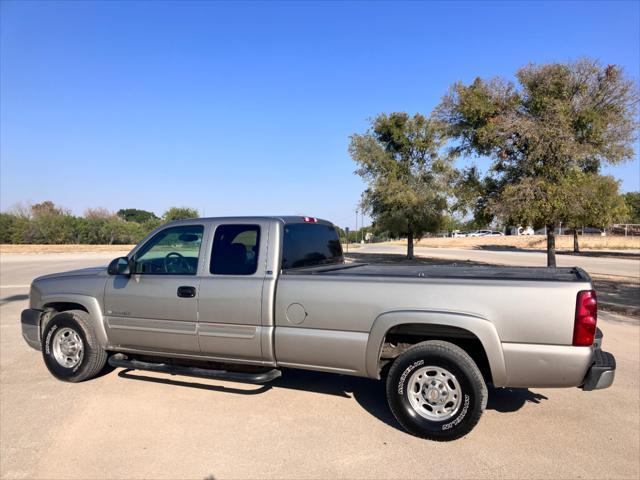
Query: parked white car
479,233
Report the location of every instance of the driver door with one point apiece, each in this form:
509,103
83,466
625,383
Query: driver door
156,307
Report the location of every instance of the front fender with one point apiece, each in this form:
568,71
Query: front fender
92,306
479,326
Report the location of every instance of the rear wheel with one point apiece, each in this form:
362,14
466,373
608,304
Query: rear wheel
70,347
436,391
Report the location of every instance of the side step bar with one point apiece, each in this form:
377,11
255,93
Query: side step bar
119,360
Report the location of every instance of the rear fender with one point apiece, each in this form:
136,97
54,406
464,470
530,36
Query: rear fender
479,326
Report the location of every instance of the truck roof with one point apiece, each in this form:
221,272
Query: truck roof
286,219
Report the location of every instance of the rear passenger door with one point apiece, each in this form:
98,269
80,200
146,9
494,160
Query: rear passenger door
230,301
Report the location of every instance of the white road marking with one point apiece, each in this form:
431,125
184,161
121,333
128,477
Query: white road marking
15,286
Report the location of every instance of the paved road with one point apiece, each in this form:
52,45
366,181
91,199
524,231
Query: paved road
307,425
593,265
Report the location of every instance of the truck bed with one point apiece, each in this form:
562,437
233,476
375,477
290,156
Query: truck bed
567,274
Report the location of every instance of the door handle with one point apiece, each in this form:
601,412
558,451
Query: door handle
187,292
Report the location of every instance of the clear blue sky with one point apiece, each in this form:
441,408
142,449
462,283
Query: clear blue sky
247,108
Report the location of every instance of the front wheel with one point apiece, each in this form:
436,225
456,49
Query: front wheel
70,348
436,391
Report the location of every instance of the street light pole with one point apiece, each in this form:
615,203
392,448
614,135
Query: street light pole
356,226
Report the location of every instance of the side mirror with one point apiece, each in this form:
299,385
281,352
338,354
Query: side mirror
119,266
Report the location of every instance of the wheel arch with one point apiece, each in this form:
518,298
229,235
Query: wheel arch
59,303
439,324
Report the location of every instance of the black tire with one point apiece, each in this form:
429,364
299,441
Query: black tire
447,356
93,357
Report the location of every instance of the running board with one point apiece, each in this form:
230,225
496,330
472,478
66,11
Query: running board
119,360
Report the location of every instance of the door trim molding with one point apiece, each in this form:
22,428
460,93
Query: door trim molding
227,330
151,325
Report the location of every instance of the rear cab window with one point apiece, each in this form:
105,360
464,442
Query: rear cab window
235,250
310,245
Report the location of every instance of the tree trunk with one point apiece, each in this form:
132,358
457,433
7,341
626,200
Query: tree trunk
576,247
410,245
551,245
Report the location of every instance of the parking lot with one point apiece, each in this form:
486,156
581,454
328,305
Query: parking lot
305,425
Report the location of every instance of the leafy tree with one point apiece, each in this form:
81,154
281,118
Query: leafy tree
7,224
579,199
407,179
149,225
595,201
632,199
136,215
473,193
51,229
179,213
559,117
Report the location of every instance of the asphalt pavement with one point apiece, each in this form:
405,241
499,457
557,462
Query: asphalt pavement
305,425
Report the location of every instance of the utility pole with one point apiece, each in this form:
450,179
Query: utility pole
356,226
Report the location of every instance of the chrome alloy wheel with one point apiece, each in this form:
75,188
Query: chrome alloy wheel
68,348
434,393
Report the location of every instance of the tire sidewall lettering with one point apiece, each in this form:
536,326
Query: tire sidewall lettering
461,415
47,345
405,375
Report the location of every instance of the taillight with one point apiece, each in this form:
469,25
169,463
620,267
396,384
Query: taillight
584,327
310,219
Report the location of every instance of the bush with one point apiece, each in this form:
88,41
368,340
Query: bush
44,223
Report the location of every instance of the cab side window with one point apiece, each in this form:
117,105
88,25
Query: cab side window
172,251
235,250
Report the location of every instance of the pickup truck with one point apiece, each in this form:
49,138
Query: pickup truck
244,298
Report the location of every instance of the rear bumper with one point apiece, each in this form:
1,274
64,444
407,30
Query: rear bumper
602,373
30,320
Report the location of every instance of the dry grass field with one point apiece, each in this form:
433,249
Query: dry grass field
563,242
6,248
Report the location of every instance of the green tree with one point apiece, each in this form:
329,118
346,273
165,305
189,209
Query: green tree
179,213
559,117
632,199
595,201
473,193
136,215
7,225
408,180
579,199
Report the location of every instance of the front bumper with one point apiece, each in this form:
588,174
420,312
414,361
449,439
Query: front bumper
603,370
30,320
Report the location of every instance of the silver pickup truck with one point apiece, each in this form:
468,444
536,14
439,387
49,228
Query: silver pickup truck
242,298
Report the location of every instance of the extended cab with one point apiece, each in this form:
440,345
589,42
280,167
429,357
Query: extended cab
242,298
